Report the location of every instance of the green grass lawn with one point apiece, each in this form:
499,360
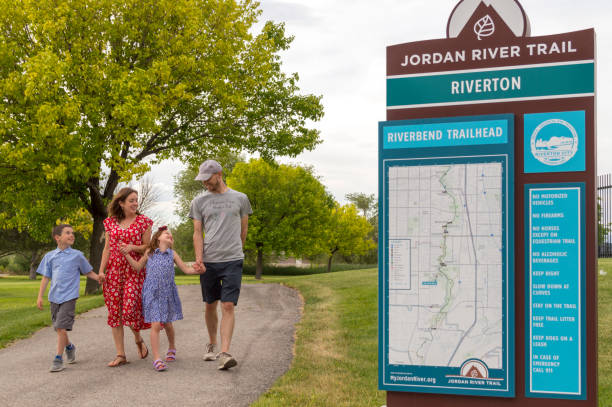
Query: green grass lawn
604,314
336,358
19,317
336,350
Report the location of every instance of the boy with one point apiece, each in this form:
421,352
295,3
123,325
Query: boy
63,267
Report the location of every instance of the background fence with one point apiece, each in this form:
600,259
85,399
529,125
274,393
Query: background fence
604,193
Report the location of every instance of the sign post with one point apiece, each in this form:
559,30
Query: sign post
487,189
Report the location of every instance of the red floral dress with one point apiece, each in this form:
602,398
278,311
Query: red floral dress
123,287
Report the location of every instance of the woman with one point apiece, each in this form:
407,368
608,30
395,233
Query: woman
126,230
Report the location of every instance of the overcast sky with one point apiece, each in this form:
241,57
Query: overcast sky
339,53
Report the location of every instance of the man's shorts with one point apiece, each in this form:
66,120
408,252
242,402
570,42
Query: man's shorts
222,281
62,314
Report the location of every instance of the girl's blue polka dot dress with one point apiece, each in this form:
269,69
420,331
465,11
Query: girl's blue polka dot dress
160,299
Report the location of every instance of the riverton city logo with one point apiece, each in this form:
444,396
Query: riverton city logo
484,18
554,142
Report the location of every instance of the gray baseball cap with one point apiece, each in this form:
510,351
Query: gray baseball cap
207,169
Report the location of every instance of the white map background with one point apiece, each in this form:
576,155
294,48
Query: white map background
445,267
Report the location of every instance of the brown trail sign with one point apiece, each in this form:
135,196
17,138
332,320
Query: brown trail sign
487,186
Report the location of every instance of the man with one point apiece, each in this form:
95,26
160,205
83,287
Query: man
223,215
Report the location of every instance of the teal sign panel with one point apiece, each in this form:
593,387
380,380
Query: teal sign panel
493,84
446,286
556,326
446,134
555,142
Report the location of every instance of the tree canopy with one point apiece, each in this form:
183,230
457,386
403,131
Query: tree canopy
290,208
95,91
346,233
365,202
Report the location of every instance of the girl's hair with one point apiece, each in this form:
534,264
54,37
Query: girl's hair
114,209
154,243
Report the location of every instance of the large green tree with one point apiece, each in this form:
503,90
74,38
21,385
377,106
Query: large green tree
346,233
94,91
290,208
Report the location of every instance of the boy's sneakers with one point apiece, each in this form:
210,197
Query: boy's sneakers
226,361
70,353
211,352
57,365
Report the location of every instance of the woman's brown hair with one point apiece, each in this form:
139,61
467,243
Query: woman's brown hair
114,209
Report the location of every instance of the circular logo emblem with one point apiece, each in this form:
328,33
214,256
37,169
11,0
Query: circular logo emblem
475,369
554,142
510,11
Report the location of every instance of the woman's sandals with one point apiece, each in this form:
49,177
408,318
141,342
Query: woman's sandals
141,353
118,361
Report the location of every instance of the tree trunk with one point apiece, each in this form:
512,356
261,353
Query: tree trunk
95,251
34,262
329,261
259,265
97,209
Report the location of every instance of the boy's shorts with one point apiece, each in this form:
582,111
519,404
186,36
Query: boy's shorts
222,281
62,314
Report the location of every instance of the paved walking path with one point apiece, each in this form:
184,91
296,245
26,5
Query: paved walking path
263,345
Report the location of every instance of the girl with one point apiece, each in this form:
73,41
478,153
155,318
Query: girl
160,300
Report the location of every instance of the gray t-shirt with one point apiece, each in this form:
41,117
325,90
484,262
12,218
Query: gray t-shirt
221,216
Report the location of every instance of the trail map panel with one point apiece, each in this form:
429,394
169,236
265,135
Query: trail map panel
446,258
451,215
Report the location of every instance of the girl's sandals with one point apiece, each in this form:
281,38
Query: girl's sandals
171,355
159,366
142,353
118,361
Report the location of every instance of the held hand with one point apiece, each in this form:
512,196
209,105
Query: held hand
39,303
201,269
101,277
125,248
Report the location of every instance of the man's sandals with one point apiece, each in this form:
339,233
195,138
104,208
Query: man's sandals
142,353
118,361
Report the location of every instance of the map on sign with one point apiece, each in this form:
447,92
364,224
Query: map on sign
445,261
